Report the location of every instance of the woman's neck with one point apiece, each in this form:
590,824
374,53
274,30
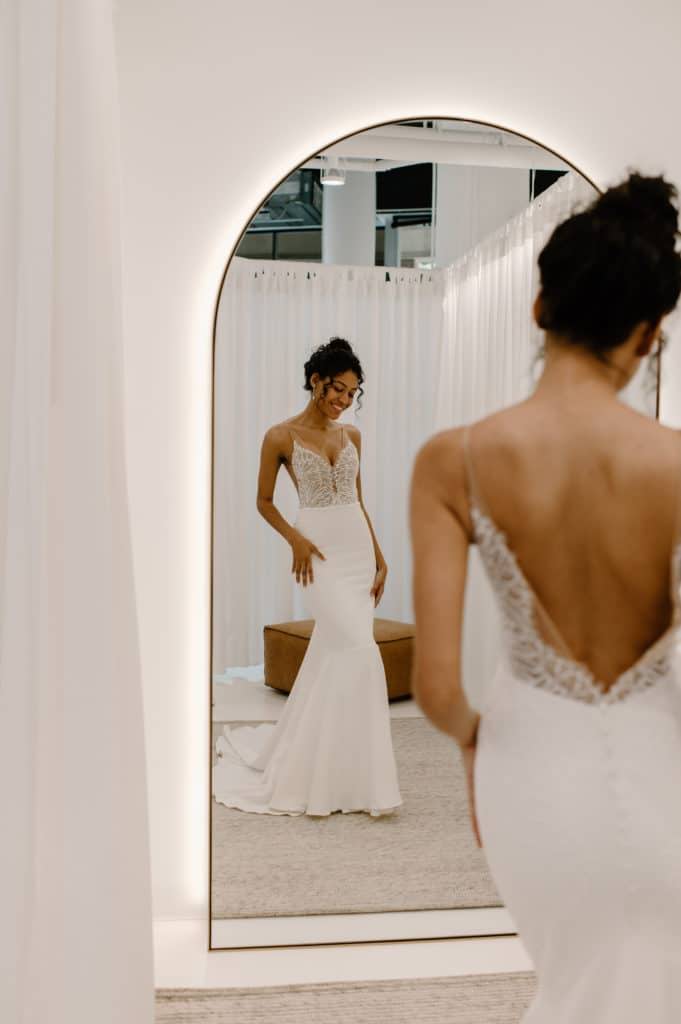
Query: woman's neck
571,370
312,418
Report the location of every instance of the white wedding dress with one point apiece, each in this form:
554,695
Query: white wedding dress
578,796
331,750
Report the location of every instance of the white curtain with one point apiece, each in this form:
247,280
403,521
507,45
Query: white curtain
490,341
271,316
438,349
75,924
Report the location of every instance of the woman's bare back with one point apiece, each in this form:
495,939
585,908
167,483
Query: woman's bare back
588,498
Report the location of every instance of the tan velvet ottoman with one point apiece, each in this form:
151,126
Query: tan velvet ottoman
286,643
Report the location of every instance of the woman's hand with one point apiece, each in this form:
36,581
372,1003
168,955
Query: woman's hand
303,550
468,754
378,585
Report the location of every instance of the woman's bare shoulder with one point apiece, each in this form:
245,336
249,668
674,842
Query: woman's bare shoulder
440,460
278,436
439,475
655,443
446,448
502,422
668,435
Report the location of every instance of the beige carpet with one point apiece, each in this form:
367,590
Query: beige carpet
472,999
423,857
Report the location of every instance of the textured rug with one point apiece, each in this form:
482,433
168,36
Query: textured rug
471,999
423,857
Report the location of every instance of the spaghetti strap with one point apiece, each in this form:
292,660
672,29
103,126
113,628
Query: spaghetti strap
466,445
675,575
474,495
677,522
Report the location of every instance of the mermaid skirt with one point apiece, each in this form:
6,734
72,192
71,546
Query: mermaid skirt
331,750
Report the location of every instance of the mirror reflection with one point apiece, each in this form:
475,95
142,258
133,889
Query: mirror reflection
383,292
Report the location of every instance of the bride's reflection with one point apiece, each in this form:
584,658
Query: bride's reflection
331,749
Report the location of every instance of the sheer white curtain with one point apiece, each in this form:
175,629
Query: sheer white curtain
491,344
271,316
490,341
75,926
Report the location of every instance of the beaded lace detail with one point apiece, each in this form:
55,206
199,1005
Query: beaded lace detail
537,662
321,484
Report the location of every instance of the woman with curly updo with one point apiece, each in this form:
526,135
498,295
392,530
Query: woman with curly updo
574,502
332,748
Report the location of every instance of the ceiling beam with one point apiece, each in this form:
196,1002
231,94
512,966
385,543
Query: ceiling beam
414,148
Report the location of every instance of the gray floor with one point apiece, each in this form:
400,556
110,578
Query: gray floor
478,999
423,857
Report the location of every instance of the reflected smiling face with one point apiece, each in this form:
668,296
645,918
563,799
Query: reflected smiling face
340,392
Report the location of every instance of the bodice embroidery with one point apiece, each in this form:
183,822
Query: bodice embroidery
537,662
321,484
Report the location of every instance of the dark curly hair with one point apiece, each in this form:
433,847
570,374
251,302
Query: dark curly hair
335,357
612,265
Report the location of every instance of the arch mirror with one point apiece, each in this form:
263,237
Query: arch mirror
416,242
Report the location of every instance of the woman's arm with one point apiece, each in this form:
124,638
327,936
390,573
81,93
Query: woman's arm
378,585
272,452
356,438
440,553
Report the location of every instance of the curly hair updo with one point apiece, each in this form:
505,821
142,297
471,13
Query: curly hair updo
613,265
335,357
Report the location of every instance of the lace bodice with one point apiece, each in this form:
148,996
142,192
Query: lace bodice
321,484
537,662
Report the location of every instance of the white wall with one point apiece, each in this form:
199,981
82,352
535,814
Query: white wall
218,103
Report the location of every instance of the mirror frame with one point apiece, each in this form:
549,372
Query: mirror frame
336,929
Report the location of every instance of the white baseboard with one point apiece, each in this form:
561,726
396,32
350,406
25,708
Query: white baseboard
183,961
314,929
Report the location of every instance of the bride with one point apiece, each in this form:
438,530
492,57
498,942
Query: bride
331,750
574,502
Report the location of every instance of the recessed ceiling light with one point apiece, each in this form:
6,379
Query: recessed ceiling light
333,176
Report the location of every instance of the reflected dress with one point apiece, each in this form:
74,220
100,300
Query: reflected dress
331,750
